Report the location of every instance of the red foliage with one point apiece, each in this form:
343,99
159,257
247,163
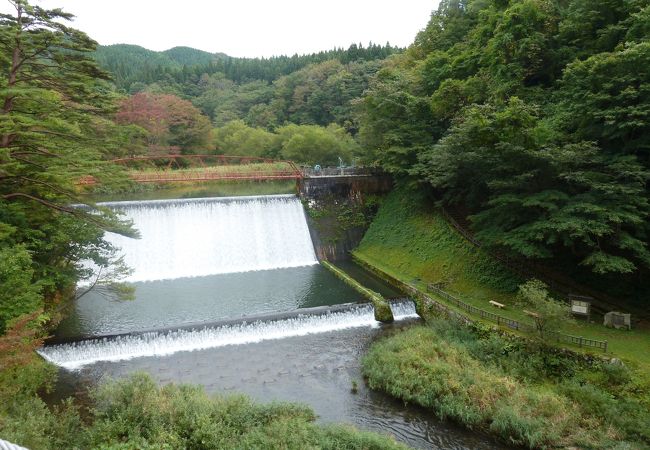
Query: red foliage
170,121
19,342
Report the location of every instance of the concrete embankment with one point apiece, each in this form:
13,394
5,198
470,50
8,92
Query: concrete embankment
339,210
383,312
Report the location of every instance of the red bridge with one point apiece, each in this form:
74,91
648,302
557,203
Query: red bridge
179,168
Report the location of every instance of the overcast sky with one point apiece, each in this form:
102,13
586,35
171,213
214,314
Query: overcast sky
248,27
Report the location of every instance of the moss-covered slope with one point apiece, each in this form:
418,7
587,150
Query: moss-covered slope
410,240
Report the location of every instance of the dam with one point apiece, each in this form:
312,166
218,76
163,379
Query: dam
229,294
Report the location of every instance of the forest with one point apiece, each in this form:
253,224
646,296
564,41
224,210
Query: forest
543,105
529,118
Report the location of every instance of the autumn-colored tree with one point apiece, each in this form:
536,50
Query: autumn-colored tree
171,122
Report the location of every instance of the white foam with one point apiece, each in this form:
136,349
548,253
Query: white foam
78,354
201,237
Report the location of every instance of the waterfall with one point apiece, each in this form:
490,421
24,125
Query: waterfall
200,237
78,354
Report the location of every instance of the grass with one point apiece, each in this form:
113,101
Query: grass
222,169
217,188
415,245
135,413
524,394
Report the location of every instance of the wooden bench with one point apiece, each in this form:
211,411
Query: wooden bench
497,304
532,314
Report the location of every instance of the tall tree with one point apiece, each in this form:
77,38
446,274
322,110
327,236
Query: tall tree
52,97
171,122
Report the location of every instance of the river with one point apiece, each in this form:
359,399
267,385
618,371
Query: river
229,295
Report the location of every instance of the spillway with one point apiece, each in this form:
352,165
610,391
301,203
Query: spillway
78,354
201,237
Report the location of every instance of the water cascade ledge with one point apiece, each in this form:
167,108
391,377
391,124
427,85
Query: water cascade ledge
210,236
78,354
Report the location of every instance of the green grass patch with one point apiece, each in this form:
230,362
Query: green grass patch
193,189
537,397
135,413
251,168
412,242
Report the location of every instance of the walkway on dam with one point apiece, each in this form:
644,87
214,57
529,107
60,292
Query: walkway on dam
192,168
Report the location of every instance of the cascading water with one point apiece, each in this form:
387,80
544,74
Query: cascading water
79,354
200,237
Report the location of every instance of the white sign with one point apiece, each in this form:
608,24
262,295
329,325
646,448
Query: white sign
579,309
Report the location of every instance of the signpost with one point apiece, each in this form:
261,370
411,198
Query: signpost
581,305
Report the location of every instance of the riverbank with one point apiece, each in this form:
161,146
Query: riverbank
191,189
136,413
465,372
523,394
411,243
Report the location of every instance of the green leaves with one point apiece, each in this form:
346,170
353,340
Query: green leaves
606,98
548,314
54,104
18,294
536,124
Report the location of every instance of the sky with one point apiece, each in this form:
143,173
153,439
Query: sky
248,28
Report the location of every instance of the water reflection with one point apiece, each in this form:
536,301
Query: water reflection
169,303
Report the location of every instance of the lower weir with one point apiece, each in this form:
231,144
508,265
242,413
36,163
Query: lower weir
160,343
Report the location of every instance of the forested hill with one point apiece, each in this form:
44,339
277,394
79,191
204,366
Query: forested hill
131,64
531,117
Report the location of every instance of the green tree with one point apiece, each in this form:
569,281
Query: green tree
606,98
548,314
311,144
18,293
52,97
237,138
538,198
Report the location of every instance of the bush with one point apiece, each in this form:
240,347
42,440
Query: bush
525,394
137,413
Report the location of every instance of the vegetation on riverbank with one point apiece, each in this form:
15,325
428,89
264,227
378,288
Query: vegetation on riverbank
136,413
411,242
409,239
525,394
193,189
484,377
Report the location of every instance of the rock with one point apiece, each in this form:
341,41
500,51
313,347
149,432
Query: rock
383,313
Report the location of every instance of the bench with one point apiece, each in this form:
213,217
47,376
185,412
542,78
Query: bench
532,314
497,304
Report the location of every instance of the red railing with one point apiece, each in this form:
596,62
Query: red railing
187,168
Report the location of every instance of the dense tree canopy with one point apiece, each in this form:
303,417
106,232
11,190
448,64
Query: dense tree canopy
170,122
54,104
306,144
533,116
183,66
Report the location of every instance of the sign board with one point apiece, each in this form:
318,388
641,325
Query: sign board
580,307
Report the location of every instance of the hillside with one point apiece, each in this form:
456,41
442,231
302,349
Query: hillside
131,64
187,56
410,241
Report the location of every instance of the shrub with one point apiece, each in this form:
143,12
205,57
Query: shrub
526,394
